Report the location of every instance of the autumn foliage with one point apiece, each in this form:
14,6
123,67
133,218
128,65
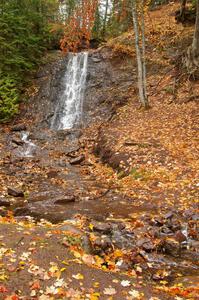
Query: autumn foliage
78,29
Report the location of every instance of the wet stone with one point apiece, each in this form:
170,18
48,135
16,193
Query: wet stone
52,174
158,221
122,240
195,217
171,246
19,127
146,244
86,244
64,200
15,192
102,243
166,231
102,227
77,160
70,228
17,141
4,202
180,237
169,215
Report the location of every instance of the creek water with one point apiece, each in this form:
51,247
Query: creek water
68,112
29,147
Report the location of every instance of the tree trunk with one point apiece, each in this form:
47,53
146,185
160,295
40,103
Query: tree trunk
182,9
105,18
192,59
140,55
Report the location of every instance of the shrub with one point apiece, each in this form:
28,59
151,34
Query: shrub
9,98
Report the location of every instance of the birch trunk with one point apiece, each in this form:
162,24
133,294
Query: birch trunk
140,55
105,18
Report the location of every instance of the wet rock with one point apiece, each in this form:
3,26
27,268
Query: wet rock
52,174
158,221
180,237
122,240
17,141
86,244
161,275
4,202
64,200
194,244
62,134
102,227
146,244
123,265
102,243
174,224
170,246
77,160
22,211
121,226
15,192
166,231
96,59
195,217
19,127
169,215
70,228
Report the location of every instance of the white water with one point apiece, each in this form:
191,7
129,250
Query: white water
69,109
29,147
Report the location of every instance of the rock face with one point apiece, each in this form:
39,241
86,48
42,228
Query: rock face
108,78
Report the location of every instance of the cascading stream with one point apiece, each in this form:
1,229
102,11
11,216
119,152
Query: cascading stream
69,109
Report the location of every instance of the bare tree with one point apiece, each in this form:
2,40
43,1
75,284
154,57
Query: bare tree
140,52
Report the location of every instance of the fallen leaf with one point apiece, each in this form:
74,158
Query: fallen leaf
109,291
78,276
125,283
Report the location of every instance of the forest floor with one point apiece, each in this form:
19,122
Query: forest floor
149,159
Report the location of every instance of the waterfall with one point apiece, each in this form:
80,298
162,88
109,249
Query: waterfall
29,147
68,112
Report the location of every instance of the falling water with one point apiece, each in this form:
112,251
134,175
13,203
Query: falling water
29,147
69,109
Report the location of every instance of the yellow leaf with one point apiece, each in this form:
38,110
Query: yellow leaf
94,296
96,284
91,226
3,277
63,269
78,276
